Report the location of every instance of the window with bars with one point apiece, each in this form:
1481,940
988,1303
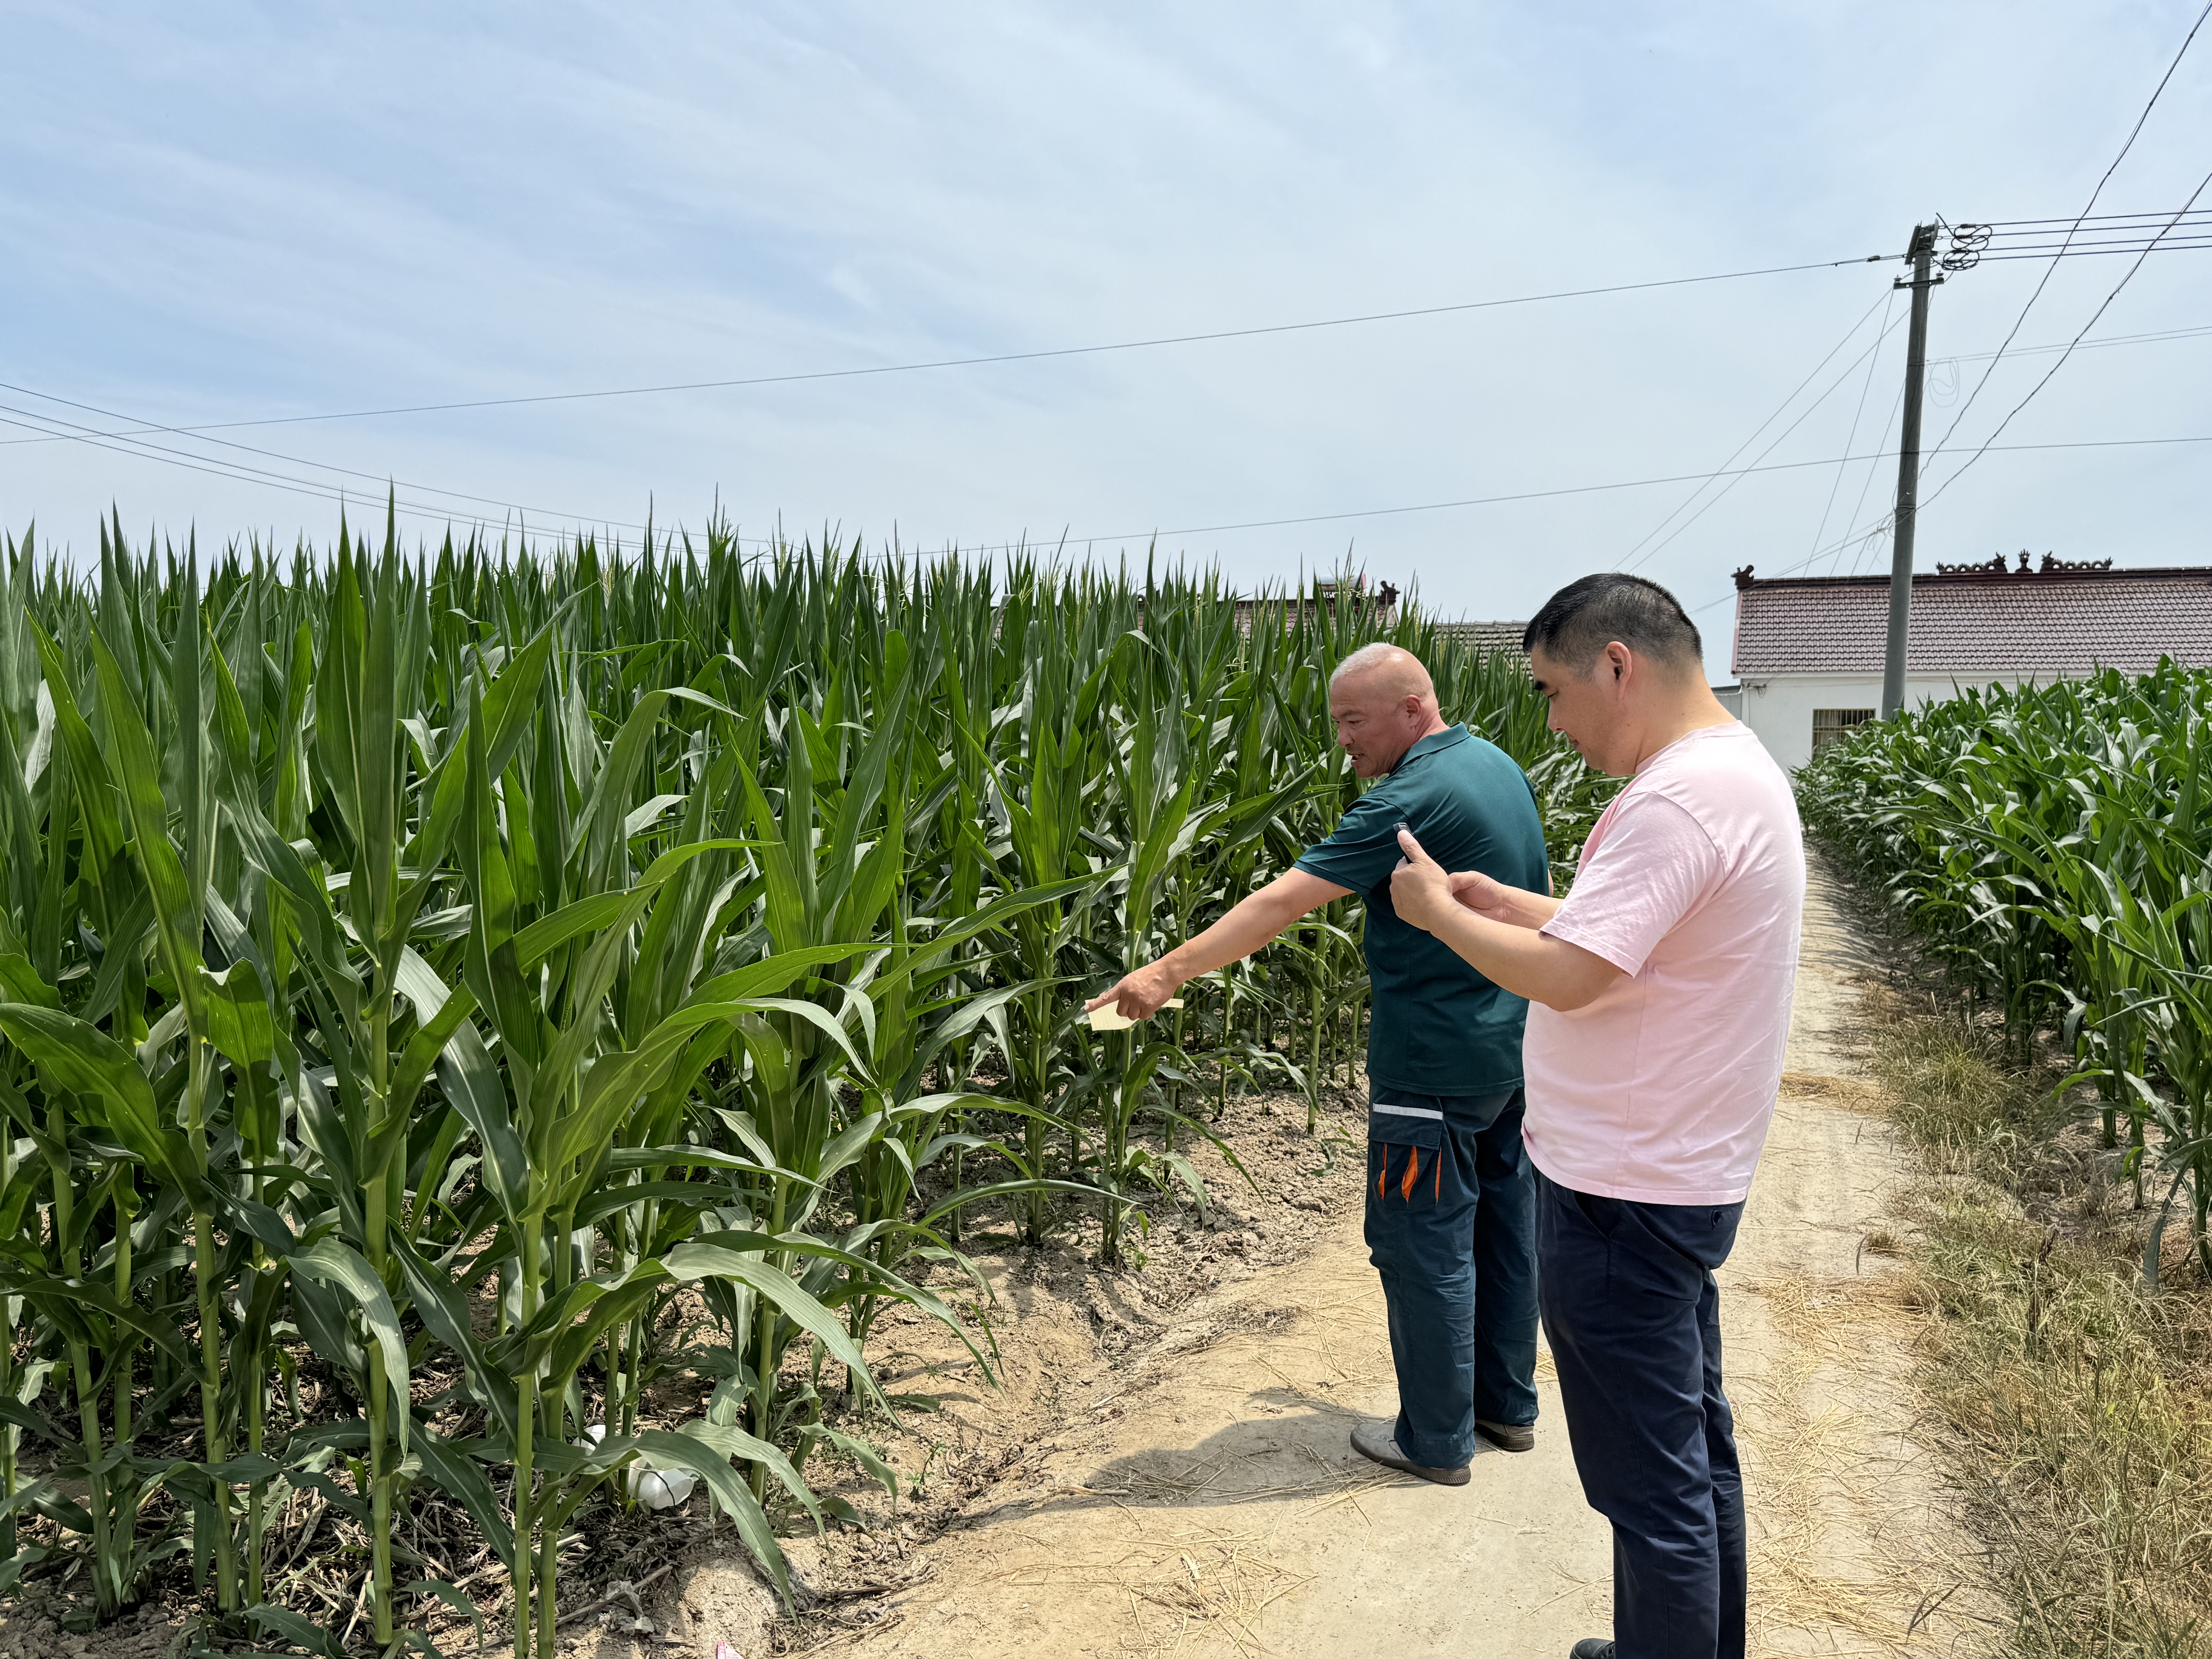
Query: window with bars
1834,725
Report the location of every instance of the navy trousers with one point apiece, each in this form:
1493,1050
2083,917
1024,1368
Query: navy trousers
1633,1317
1450,1228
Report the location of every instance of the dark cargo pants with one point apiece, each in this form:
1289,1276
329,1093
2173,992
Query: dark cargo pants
1450,1228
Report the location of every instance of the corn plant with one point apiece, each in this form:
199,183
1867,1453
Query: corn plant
2049,843
420,970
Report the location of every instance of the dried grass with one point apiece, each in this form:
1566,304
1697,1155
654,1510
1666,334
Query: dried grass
1844,1540
2078,1404
1181,1583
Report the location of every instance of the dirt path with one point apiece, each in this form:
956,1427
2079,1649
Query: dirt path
1206,1502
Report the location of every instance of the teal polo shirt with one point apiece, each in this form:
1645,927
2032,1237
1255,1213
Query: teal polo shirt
1439,1028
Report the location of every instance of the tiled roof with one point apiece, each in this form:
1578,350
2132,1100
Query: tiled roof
1484,637
1977,622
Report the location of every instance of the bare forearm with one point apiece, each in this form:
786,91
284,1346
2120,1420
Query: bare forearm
1254,922
1522,908
1515,956
1144,991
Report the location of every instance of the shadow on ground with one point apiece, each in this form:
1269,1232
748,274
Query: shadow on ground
1295,1447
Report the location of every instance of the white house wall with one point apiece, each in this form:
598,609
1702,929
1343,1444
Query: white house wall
1779,708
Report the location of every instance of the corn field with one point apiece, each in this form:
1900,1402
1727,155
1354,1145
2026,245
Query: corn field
421,970
2050,845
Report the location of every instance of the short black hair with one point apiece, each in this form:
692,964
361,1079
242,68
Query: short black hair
1583,617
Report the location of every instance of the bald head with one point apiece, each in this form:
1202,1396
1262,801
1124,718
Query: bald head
1385,671
1383,703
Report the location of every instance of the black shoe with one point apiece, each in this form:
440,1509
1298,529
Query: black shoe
1593,1647
1375,1442
1507,1436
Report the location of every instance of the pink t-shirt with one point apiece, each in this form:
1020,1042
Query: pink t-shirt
1693,885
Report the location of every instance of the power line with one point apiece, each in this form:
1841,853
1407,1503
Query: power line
1366,513
1874,361
1819,553
1866,484
1068,539
1011,356
130,442
31,420
124,443
2047,374
2158,338
2101,235
383,480
1716,496
1546,495
320,492
2135,132
1833,547
54,429
2089,218
1849,334
2182,245
1971,239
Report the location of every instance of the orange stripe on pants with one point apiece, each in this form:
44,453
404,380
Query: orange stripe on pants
1412,1168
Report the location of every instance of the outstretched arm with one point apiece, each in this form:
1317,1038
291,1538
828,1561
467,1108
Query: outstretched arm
1508,953
1254,921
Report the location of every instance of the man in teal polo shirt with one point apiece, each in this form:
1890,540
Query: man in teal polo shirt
1450,1203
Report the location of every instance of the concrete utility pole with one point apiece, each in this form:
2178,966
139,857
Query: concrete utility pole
1923,255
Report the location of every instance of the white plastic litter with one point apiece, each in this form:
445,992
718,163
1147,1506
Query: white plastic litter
655,1488
1111,1019
660,1489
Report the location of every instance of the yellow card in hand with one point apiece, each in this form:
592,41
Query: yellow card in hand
1110,1019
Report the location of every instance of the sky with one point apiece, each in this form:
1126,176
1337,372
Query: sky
227,213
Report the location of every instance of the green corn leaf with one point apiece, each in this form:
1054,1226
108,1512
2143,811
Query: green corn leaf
95,795
423,1050
470,1079
85,1059
176,910
731,1495
301,1632
334,1263
67,1450
444,1312
730,1256
19,982
68,1301
237,1009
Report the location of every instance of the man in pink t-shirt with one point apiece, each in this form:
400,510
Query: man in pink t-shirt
1659,992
